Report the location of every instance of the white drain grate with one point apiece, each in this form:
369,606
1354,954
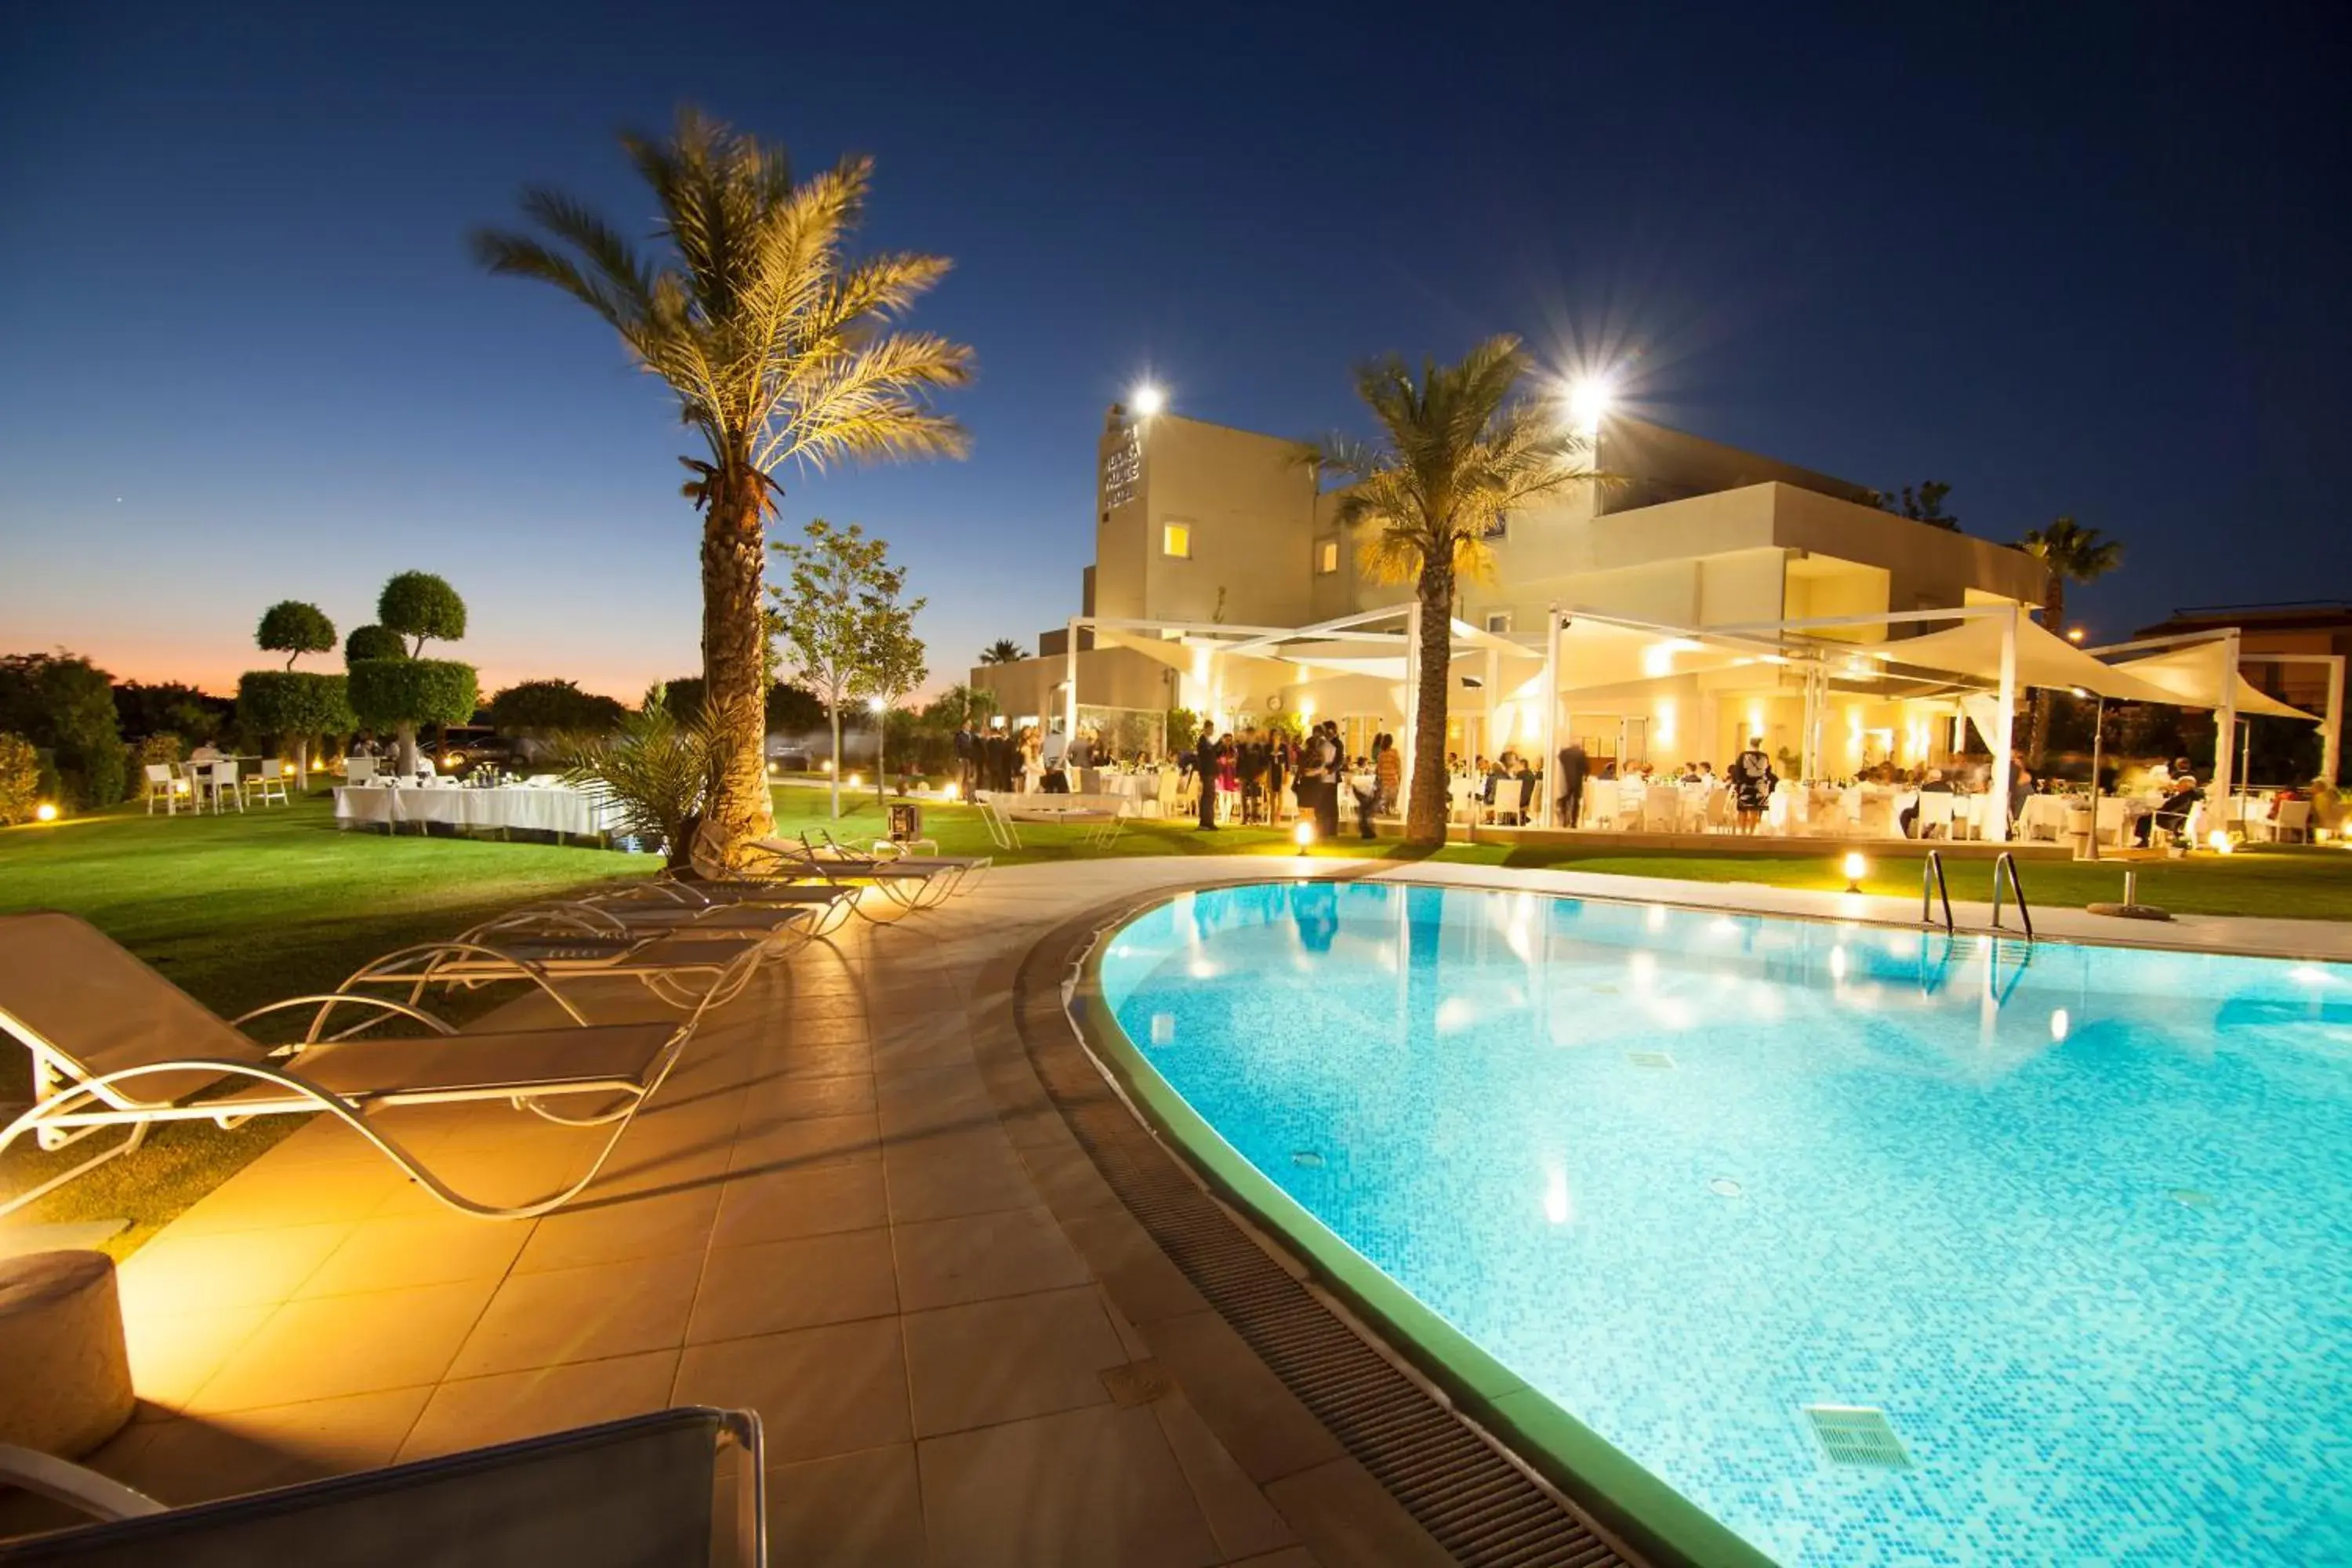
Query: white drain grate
1659,1060
1857,1434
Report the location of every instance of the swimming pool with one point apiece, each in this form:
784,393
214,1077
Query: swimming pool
1879,1247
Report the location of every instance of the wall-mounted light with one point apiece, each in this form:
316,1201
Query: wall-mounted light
1148,400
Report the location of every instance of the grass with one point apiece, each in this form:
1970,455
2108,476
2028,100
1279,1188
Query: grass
240,910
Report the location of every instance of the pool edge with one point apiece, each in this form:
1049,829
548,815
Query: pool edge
1657,1523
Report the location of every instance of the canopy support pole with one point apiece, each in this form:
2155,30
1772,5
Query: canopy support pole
2225,732
2331,736
1070,691
1548,763
2003,755
1412,692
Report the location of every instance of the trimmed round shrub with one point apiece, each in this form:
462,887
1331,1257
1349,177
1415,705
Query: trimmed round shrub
542,708
372,642
419,604
294,628
391,693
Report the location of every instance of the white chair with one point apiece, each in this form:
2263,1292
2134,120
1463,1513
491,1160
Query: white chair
2291,819
269,787
1934,812
161,784
221,781
359,770
1661,809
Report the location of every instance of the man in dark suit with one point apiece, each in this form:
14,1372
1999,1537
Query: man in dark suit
1573,767
1205,757
967,741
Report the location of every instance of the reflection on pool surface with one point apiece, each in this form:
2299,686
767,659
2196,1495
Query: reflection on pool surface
2077,1220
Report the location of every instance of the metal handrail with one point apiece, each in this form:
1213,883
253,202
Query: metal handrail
2007,862
1931,879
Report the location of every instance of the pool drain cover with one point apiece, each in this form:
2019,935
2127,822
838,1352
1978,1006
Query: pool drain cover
1859,1435
1310,1158
1659,1059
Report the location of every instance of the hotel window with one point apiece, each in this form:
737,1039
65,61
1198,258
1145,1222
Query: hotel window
1176,539
1327,557
1499,622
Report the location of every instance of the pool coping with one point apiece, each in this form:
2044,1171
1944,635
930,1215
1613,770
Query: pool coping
1655,1522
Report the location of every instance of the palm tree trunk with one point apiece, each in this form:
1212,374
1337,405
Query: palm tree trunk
1425,811
733,633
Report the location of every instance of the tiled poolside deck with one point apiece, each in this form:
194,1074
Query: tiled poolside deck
843,1209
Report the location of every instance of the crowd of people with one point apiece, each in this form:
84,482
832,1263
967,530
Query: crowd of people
1252,771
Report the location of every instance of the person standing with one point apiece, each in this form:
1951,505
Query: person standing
1334,768
1751,784
1574,766
1388,773
967,741
1205,768
1365,785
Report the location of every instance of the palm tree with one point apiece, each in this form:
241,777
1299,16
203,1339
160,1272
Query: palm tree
1456,452
779,348
2072,554
1003,650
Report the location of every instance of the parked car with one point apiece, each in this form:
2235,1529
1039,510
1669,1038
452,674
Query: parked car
462,748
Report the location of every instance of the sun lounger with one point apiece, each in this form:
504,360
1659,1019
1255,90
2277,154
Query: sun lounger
683,971
807,914
1103,815
967,870
116,1045
640,1490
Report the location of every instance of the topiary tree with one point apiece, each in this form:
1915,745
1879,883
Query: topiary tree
400,694
419,604
292,706
294,628
372,642
20,780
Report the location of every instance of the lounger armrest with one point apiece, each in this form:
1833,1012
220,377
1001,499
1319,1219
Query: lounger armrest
326,1001
63,1481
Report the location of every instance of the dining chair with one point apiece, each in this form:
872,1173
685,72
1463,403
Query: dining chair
161,786
224,784
269,786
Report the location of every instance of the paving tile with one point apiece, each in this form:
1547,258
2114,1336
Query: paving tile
999,1361
806,1141
940,1100
824,1391
614,1230
779,1204
797,1284
1288,1557
1140,1278
836,1058
954,1173
1096,1486
267,1196
781,1098
853,1511
421,1249
173,1353
198,1459
1349,1519
475,1411
232,1269
838,1029
329,1346
581,1314
971,1258
1238,1515
1261,1423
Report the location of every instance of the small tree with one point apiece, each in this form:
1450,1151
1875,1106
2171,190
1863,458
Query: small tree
419,604
20,780
400,694
294,628
372,642
835,618
292,706
891,666
1922,503
654,775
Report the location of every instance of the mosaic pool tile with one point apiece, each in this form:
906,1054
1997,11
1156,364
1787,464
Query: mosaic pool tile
2077,1221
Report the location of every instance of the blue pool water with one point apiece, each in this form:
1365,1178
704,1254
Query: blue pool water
2078,1221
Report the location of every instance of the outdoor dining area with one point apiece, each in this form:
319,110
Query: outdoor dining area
542,803
215,781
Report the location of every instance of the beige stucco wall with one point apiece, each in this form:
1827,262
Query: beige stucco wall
1249,507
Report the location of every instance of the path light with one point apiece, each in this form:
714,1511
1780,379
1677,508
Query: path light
1148,400
2074,634
853,781
286,770
46,812
1856,867
875,705
2219,841
951,790
1303,837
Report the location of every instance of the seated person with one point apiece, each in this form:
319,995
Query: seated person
2173,813
207,752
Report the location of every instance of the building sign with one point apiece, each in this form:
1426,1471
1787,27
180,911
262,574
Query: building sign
1121,470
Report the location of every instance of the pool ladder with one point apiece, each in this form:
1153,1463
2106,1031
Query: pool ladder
1932,887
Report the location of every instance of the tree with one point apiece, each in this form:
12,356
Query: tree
372,642
892,664
545,708
169,707
1924,504
654,775
64,705
2070,552
792,710
294,628
840,618
1458,450
290,706
419,604
780,349
400,694
1003,650
20,780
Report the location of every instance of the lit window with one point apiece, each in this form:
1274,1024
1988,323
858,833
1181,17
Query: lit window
1327,556
1176,539
1498,621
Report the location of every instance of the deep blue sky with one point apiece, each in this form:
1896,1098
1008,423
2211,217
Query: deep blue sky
2070,261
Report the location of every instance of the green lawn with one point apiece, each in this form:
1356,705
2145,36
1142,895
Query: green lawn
245,910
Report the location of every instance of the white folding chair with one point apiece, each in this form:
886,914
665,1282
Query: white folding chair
269,788
162,785
221,784
1934,812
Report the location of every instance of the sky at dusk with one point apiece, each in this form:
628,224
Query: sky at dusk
2089,260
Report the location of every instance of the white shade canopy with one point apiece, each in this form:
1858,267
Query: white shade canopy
1972,648
2196,673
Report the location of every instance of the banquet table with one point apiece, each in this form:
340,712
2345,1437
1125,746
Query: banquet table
534,808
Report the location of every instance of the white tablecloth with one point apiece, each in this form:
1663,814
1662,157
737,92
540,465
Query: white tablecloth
513,805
